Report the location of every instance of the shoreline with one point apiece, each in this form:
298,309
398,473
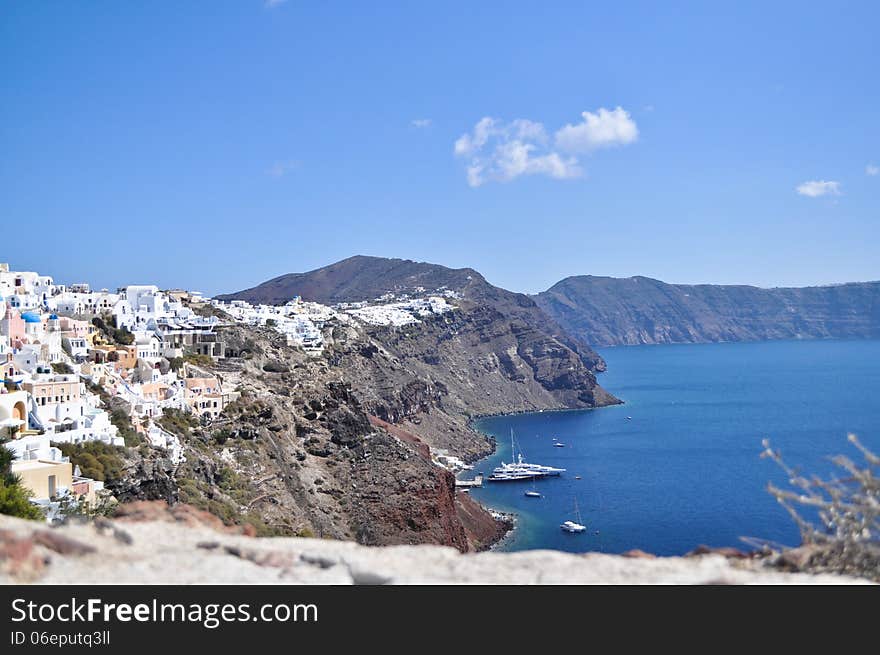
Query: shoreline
502,516
520,412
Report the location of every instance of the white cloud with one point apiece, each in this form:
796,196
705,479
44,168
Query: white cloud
603,129
872,170
816,188
421,122
282,168
500,152
468,144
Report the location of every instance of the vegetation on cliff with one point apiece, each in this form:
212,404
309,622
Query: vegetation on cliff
95,459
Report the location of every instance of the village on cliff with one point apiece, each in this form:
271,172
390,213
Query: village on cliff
66,349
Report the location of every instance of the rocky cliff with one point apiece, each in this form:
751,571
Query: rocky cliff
298,454
344,445
638,310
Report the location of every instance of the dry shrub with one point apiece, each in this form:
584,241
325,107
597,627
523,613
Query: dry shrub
844,536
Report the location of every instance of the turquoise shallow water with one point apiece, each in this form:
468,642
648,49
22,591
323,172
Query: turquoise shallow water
686,469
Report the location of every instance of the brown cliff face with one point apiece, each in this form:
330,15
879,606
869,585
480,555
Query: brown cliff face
433,377
398,497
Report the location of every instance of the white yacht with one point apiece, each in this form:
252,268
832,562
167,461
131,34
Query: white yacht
520,469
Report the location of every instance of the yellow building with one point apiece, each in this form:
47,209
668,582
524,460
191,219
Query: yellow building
44,478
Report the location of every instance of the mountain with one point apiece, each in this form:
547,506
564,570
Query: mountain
604,311
357,278
361,278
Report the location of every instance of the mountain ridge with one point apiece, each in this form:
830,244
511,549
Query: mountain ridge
604,311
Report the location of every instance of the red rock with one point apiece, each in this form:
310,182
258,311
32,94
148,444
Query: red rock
61,544
18,557
725,551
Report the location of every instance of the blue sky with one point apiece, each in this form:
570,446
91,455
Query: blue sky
216,144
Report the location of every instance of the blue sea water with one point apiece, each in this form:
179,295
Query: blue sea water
686,469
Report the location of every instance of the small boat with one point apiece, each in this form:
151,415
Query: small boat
559,444
533,493
577,477
629,418
572,526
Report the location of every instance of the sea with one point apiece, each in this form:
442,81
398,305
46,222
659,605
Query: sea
679,464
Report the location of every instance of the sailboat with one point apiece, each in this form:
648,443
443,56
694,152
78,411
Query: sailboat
572,526
533,493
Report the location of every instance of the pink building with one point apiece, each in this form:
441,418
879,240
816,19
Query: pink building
74,328
12,325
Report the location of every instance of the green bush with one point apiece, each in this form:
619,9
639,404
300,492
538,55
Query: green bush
205,361
15,501
122,421
107,326
95,459
177,421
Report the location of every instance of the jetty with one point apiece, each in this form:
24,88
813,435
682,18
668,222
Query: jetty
476,482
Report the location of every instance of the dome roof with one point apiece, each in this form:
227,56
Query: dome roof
53,317
30,317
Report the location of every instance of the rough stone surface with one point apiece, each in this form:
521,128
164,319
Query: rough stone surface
166,550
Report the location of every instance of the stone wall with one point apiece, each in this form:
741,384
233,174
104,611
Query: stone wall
154,544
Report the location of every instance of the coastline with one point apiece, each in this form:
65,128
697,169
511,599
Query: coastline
511,519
